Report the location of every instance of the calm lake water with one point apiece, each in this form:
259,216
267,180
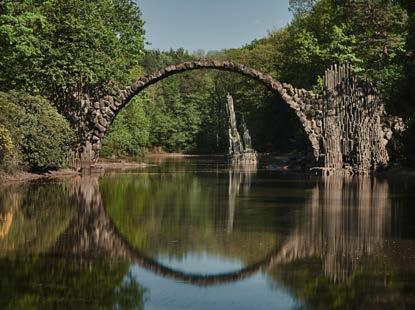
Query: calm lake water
193,234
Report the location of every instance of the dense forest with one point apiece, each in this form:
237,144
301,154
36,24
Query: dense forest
54,53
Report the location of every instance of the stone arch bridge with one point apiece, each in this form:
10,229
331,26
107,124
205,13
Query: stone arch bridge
345,123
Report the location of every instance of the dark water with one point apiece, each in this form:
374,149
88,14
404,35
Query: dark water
192,234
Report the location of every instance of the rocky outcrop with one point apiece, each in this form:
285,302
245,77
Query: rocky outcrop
240,150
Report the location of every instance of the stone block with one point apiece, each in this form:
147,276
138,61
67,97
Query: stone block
217,63
190,65
102,121
181,67
101,128
113,107
110,113
96,147
168,69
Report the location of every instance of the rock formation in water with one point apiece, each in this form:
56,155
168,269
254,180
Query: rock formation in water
235,142
240,151
247,138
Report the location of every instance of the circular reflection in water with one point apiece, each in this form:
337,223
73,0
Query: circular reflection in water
191,216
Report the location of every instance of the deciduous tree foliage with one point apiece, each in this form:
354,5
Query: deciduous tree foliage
66,47
34,135
371,35
64,51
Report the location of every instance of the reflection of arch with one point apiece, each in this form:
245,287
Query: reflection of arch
321,233
303,103
92,233
197,279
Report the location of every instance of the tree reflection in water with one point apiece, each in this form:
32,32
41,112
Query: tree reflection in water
34,222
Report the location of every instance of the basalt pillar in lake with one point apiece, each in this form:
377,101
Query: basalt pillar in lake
240,150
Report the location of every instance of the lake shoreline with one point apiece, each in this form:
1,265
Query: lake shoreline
120,164
126,163
25,176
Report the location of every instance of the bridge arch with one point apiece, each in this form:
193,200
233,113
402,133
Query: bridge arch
305,104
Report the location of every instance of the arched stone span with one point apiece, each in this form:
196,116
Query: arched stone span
305,104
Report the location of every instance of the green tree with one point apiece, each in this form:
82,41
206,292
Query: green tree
130,132
68,46
66,50
301,6
7,152
42,137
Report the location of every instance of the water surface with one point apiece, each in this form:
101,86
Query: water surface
195,234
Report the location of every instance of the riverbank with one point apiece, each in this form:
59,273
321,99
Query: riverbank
24,176
102,165
106,164
277,163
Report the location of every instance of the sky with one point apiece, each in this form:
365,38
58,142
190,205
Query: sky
210,24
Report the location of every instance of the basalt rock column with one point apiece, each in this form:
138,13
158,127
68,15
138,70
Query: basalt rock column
247,138
235,143
240,153
355,129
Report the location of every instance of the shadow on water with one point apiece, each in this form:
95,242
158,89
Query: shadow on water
334,242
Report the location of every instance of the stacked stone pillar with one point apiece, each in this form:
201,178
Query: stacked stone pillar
353,139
